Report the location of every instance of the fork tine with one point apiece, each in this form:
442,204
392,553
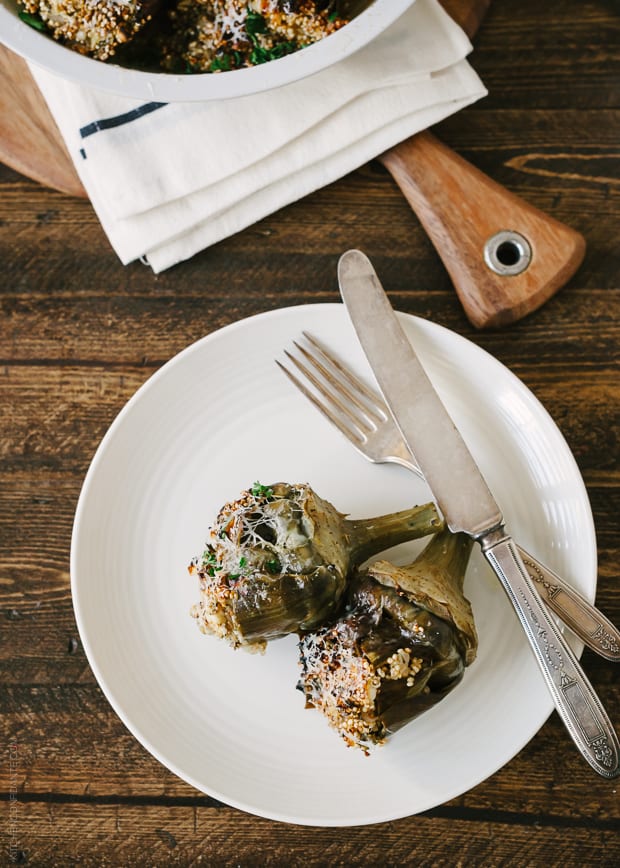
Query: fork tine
374,434
334,395
352,433
350,395
373,402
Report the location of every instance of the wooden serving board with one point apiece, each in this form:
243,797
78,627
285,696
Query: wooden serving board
30,141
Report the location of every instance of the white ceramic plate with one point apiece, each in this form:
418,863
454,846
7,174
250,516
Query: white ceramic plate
166,87
219,416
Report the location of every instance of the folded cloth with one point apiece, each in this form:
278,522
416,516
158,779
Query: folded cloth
168,180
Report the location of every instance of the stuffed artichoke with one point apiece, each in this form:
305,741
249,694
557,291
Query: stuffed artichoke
278,560
401,645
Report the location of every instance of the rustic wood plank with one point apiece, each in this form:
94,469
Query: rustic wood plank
171,320
104,834
504,70
365,209
565,62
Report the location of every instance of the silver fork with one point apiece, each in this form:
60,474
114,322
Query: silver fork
361,415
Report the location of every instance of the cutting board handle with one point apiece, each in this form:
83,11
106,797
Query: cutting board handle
504,256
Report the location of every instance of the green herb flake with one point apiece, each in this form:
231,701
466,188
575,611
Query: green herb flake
264,55
32,20
259,55
243,561
221,63
254,24
273,566
259,490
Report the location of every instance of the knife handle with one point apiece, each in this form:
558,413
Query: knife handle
585,620
504,256
575,700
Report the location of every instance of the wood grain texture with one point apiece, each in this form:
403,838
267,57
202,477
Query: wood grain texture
79,333
184,835
30,141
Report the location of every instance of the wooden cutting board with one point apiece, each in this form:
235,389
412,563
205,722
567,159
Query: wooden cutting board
30,141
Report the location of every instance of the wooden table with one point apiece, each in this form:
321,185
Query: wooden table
79,333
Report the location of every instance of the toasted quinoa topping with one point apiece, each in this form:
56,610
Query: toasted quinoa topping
340,680
93,27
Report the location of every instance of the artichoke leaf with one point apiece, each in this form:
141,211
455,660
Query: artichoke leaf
435,583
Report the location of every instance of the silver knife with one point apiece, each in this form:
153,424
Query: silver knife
467,504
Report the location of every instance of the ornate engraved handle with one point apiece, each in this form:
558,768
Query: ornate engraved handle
585,620
575,700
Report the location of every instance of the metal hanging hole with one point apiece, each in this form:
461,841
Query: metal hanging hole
507,253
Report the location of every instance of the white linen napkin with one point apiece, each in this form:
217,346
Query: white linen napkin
168,180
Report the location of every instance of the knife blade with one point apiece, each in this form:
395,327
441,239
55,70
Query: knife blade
467,504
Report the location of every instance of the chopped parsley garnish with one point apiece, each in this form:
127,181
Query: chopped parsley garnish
210,563
264,55
243,562
259,490
224,61
255,23
221,63
32,20
273,566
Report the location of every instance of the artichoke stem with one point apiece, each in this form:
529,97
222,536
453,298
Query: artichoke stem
371,535
447,554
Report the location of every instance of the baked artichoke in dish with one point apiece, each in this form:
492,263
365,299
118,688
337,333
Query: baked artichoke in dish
278,560
223,35
402,644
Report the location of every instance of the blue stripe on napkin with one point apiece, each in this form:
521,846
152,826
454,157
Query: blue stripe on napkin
120,120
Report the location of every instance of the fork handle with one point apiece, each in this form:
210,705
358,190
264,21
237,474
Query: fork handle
585,620
475,223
